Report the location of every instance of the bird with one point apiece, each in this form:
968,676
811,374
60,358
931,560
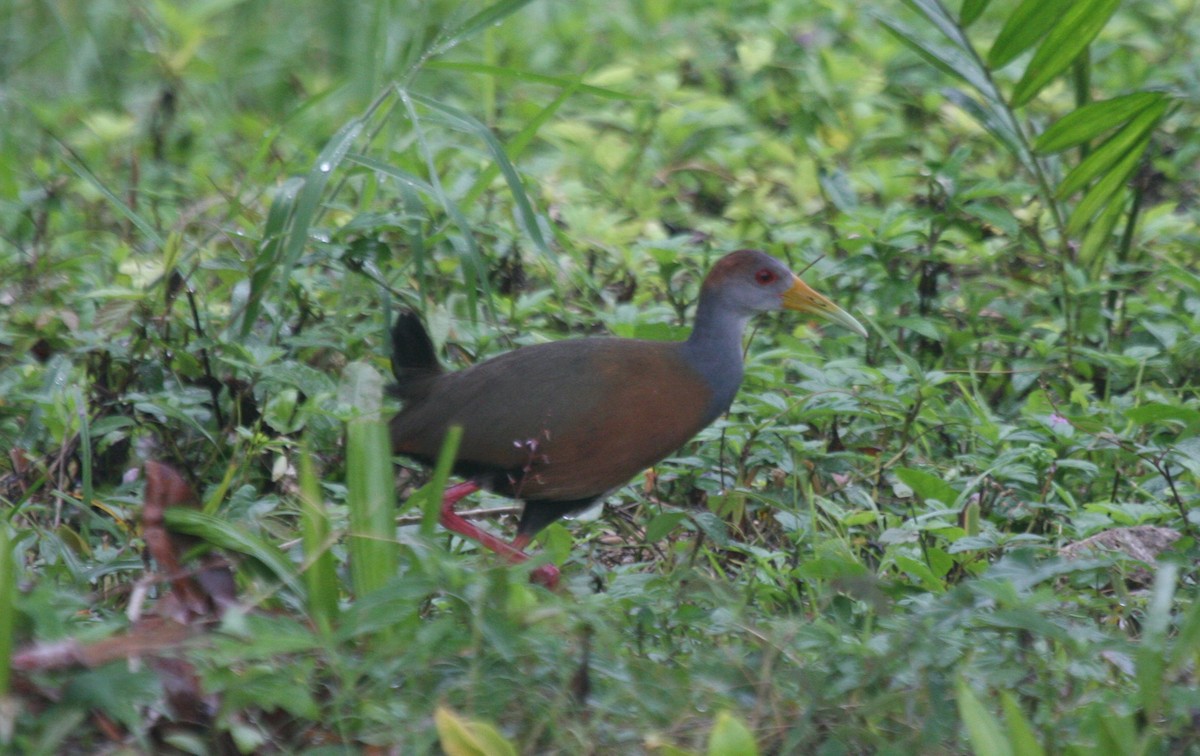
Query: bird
560,425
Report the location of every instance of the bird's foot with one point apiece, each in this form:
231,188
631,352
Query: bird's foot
546,575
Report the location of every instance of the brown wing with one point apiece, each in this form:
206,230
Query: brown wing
566,420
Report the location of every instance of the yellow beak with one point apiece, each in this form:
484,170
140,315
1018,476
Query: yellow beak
802,298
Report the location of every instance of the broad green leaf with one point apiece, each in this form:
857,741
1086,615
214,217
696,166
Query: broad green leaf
1159,412
1031,21
731,737
983,731
661,525
1075,30
927,486
1092,120
459,736
1134,136
921,571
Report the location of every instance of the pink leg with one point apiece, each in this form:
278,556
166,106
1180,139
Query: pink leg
547,574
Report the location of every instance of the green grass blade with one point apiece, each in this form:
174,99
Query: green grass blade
486,18
370,484
321,573
474,269
1151,654
1020,732
8,597
984,732
467,123
123,208
971,11
432,491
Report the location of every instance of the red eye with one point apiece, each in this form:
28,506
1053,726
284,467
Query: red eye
765,277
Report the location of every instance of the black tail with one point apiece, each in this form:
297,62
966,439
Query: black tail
413,358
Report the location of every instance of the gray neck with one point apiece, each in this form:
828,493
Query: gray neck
715,350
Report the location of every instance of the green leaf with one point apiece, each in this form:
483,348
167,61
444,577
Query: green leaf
661,525
927,486
1026,25
465,737
1134,136
983,731
953,61
233,537
1151,656
1105,189
370,487
1075,30
280,254
8,594
469,124
320,573
731,737
484,19
971,11
1159,412
1021,736
1090,121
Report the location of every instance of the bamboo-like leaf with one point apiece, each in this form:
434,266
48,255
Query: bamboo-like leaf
1099,235
1090,121
950,60
232,537
993,119
971,11
1105,189
1134,136
1075,30
983,730
1031,21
